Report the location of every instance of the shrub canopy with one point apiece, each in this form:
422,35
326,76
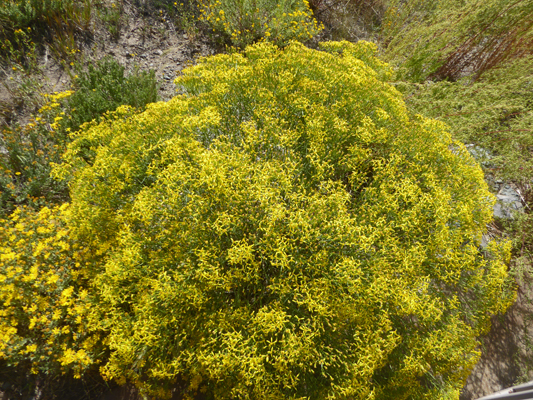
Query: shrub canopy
285,229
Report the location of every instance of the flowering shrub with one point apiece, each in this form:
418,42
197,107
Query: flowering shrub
43,297
24,166
284,228
246,21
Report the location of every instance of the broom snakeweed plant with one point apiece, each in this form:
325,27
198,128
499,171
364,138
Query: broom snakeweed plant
285,228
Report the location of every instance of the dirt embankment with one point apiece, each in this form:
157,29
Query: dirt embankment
507,354
146,42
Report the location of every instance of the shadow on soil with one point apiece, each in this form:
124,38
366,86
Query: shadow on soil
507,352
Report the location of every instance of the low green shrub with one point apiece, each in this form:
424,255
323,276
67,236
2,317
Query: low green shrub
104,86
247,21
285,228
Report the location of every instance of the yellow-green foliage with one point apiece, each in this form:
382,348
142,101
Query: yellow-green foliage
19,52
285,229
43,304
29,150
59,20
451,38
495,112
246,21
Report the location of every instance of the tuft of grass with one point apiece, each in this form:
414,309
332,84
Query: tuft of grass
113,17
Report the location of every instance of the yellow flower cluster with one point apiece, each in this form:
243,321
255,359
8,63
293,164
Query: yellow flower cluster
43,305
53,100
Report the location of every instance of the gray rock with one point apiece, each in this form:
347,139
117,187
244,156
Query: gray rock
509,201
485,240
494,185
482,155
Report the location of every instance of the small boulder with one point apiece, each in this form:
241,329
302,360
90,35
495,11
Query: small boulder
509,200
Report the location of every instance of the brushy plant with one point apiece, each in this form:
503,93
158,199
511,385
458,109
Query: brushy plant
247,21
494,112
181,15
285,228
22,75
350,20
20,14
475,64
19,52
104,86
450,39
185,15
29,150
